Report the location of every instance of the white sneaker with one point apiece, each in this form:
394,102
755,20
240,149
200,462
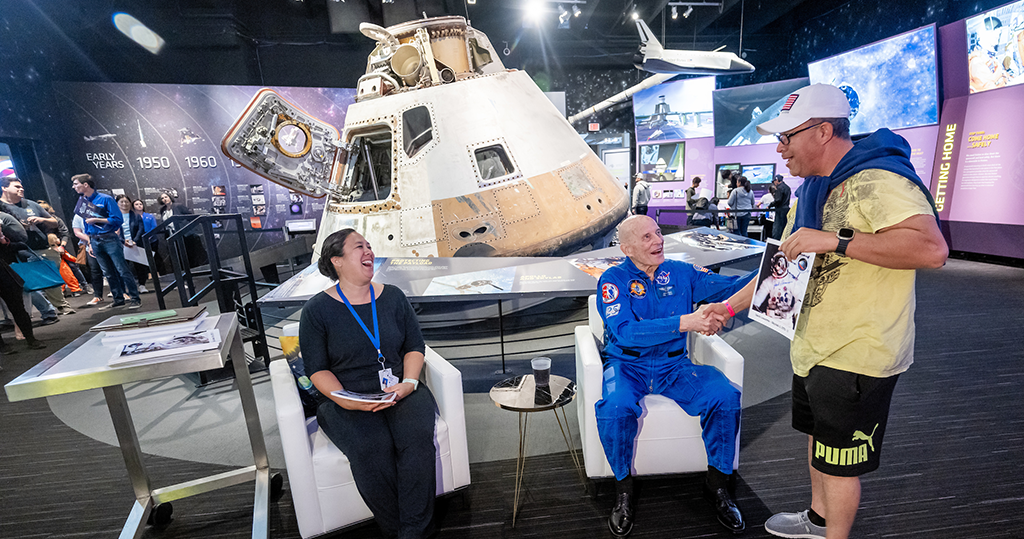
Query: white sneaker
794,525
142,289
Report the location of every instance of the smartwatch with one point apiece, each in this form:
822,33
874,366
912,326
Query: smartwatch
845,235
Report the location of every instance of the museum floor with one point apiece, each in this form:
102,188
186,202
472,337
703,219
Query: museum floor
951,468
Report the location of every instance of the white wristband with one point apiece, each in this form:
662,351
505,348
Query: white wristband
415,383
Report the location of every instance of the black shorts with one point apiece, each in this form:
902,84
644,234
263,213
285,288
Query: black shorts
845,414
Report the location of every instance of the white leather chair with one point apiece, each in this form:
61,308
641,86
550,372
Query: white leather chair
323,490
669,440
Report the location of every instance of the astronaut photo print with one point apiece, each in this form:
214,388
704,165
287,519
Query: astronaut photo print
781,284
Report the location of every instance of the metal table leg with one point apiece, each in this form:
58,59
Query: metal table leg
259,448
520,464
127,438
567,436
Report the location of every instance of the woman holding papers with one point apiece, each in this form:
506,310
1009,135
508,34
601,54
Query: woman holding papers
363,337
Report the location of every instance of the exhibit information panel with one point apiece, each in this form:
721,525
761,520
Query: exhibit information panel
465,279
142,140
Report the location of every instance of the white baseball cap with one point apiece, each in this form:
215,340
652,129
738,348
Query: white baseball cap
814,101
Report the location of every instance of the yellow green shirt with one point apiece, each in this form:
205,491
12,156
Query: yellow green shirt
858,317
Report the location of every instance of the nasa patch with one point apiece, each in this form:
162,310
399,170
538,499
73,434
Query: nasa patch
609,292
612,310
637,289
662,278
701,268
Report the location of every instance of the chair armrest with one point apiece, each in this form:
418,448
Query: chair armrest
714,351
445,382
589,389
298,456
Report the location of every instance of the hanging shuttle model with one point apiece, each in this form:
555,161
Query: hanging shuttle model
444,153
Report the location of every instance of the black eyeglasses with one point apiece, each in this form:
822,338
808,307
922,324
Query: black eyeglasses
785,137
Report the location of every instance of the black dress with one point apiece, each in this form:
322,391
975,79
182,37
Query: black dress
391,452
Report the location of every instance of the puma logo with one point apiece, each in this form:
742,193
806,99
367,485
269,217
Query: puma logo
858,435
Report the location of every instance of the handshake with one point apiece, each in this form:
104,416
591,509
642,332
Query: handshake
707,320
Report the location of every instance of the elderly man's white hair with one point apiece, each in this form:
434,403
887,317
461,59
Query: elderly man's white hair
628,224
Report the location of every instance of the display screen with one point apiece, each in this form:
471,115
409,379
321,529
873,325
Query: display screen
722,186
675,110
738,111
759,173
890,83
662,162
995,47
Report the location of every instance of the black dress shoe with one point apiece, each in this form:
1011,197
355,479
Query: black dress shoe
621,521
725,509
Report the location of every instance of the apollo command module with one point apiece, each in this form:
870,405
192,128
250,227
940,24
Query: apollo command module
444,153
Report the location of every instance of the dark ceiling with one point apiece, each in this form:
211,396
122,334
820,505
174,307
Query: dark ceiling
603,36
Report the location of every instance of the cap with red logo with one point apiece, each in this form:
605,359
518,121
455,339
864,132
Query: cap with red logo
814,101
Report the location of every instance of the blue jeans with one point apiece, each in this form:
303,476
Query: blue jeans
109,253
743,224
698,389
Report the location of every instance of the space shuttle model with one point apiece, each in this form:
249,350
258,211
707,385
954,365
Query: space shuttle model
444,153
654,58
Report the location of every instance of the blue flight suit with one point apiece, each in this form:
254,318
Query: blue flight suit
645,354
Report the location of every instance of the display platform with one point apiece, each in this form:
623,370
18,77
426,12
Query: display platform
500,278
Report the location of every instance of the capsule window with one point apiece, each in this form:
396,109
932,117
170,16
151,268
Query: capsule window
368,169
417,131
492,162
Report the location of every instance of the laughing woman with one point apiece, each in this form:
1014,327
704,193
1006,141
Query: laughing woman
363,337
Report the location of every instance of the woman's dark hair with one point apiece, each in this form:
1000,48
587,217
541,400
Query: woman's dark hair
119,197
333,246
745,183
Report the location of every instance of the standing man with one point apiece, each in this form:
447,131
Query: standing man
32,217
641,195
102,222
872,221
691,197
781,204
647,308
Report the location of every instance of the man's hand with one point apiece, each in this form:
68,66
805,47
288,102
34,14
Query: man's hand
703,321
809,240
717,310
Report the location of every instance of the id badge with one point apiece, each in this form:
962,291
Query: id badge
386,378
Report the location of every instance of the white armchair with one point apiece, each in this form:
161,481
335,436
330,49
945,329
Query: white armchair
669,440
323,490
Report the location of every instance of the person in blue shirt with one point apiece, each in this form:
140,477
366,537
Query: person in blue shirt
647,308
103,222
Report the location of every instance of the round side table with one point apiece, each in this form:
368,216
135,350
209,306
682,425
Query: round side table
521,394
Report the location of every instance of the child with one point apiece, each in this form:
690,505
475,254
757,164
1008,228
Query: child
64,258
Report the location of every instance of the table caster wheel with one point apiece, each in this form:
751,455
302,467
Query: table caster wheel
160,515
276,486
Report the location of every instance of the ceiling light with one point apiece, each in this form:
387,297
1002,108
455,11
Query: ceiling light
563,17
576,11
635,15
138,32
675,13
687,12
471,2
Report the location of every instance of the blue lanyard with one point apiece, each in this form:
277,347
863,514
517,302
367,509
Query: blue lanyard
375,336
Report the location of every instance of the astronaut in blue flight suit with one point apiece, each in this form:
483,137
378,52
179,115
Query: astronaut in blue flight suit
647,307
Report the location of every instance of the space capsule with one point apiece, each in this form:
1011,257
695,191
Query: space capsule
445,152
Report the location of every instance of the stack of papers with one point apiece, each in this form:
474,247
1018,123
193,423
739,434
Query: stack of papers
162,343
364,397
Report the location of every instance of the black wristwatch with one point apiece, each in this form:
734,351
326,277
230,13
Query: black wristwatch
845,235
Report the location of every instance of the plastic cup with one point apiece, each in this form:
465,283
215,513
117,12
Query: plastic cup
541,370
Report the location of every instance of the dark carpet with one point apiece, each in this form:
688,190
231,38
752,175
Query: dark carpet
951,466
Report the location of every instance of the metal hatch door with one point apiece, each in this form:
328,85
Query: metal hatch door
280,142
